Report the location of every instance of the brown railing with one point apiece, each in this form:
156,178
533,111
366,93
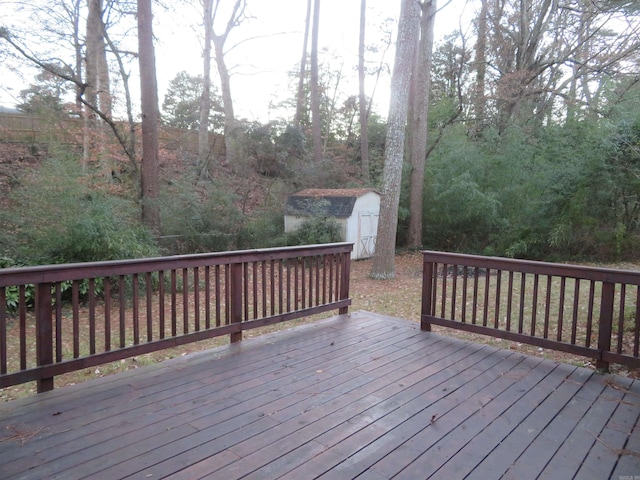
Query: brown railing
587,311
62,318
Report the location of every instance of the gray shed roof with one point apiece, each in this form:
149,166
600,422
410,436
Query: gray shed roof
336,203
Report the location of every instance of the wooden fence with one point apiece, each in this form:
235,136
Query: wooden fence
587,311
62,318
33,130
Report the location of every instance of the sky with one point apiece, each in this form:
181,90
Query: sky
266,48
261,65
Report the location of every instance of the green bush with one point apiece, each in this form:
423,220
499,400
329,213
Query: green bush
61,216
316,229
197,221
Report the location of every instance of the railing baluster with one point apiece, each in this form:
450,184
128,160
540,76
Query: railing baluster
254,293
106,283
485,303
23,326
207,297
149,304
196,298
621,311
3,330
636,325
219,299
136,312
496,323
174,302
476,280
161,300
443,300
185,300
121,306
523,286
236,298
534,304
281,287
509,300
576,307
465,281
454,291
561,302
44,333
58,294
75,301
273,286
547,307
592,296
264,287
92,317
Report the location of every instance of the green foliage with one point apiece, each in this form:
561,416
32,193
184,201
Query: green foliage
60,216
46,96
199,220
317,228
274,148
262,229
181,105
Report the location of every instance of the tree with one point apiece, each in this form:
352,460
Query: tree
300,96
362,100
149,179
235,18
418,121
205,96
98,88
182,103
53,43
408,29
316,125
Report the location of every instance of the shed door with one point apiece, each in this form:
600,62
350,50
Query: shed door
368,228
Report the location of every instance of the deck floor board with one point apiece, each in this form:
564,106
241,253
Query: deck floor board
357,396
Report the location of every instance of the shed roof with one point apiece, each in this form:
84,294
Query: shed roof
337,203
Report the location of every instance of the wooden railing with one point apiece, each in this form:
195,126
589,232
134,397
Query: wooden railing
587,311
62,318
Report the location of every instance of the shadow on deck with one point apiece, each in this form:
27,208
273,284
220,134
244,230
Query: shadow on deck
354,396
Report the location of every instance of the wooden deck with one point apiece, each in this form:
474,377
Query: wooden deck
359,396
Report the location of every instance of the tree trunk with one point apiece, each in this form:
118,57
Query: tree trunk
205,99
300,97
408,28
230,134
316,124
149,180
98,88
364,137
420,110
480,65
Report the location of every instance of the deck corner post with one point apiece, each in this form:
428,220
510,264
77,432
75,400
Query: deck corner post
236,299
344,281
427,294
605,325
44,333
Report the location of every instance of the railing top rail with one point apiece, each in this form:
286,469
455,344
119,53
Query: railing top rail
78,271
530,266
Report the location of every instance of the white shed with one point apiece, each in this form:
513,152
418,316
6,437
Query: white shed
356,210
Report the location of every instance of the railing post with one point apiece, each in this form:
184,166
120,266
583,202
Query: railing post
44,333
236,299
605,325
427,287
344,281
